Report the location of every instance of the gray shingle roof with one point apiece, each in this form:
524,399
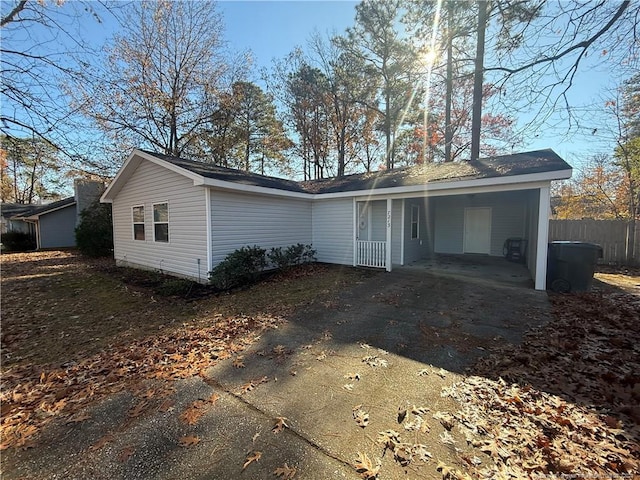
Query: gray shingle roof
41,209
209,170
9,210
539,161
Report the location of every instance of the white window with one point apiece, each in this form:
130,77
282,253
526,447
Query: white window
137,214
161,222
415,216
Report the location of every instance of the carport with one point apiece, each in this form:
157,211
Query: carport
464,217
474,266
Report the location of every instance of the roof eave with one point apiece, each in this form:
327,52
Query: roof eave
243,187
130,165
37,216
454,184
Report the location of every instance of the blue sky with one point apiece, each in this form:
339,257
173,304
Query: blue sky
271,29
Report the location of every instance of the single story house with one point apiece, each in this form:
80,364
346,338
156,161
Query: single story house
53,224
183,217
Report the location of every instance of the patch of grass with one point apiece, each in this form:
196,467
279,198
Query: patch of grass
53,312
58,306
285,291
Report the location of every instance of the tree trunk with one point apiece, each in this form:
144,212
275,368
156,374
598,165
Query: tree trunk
247,148
341,151
476,120
448,131
387,130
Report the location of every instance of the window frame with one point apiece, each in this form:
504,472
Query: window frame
416,222
153,217
134,223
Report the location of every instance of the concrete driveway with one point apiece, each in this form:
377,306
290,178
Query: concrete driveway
314,398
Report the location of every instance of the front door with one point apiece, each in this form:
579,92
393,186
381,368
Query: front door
477,230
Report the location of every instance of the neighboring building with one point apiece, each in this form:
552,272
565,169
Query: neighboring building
184,217
53,225
7,223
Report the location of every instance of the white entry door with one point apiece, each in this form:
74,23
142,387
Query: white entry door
477,230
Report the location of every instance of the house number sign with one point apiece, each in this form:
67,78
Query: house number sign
388,218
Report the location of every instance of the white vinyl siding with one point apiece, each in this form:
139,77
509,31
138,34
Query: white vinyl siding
186,255
57,228
333,230
243,219
507,219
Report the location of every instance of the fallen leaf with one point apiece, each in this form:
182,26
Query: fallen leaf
421,453
126,453
281,424
375,361
254,457
193,412
78,417
238,362
166,405
139,409
402,414
108,438
403,453
189,441
286,472
446,419
361,417
365,467
389,438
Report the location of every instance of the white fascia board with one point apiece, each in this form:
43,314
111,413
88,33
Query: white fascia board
224,185
447,187
128,167
461,191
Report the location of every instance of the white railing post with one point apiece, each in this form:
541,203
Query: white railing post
387,257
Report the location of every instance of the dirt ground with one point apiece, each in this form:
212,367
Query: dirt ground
325,373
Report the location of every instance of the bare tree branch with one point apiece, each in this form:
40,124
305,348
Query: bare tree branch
10,17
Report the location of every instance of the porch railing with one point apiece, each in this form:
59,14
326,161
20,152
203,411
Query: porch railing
371,254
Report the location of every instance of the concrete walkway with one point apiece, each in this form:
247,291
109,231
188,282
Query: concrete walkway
333,377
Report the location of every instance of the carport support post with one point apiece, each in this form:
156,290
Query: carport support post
544,205
388,246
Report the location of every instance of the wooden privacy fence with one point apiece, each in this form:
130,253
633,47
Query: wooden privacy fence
620,245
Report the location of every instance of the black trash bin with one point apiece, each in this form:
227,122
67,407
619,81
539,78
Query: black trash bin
570,266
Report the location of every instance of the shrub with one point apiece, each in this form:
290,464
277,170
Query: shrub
18,241
240,268
292,255
94,234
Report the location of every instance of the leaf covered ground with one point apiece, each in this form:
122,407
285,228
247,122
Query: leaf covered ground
75,331
566,402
